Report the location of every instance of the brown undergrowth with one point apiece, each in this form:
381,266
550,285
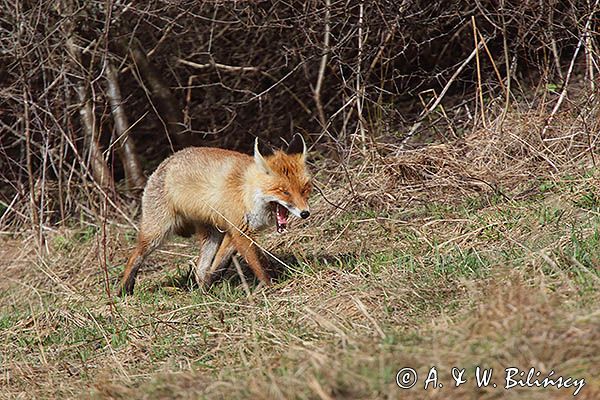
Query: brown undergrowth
483,252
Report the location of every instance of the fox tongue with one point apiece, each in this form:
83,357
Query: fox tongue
281,213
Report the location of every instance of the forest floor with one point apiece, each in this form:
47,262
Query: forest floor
481,252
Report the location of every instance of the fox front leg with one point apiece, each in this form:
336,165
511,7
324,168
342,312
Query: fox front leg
258,263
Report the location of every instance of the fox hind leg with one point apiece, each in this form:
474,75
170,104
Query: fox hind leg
145,246
221,261
210,240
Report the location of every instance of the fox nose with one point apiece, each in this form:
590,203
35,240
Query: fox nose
304,214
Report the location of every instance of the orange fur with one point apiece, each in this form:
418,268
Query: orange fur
224,197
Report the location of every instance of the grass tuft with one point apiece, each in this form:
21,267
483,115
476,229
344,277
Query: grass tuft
449,255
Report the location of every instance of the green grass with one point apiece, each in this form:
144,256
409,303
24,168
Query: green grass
478,282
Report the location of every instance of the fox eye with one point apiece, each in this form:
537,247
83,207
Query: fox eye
285,192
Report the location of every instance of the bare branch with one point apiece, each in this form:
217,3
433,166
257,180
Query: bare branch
224,67
133,170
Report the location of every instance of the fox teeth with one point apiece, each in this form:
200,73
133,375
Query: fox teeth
281,215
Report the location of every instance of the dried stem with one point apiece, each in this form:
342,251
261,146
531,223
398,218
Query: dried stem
433,106
100,169
563,92
168,110
134,174
322,67
360,94
479,86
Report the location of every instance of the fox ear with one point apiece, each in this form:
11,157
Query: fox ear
259,159
297,146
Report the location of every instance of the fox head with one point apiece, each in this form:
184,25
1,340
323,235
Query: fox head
285,182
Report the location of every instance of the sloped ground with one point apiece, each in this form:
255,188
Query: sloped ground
480,252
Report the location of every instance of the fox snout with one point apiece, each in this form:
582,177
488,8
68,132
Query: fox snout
301,212
298,204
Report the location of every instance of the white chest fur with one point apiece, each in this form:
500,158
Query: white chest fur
259,218
261,214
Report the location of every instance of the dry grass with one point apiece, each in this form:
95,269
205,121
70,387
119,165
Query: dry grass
481,252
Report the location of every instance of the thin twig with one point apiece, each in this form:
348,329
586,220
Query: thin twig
563,93
230,68
479,86
360,94
426,112
322,66
508,70
238,268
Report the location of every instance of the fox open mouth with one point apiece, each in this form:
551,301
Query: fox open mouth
281,217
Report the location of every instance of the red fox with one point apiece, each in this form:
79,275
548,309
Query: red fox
224,197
